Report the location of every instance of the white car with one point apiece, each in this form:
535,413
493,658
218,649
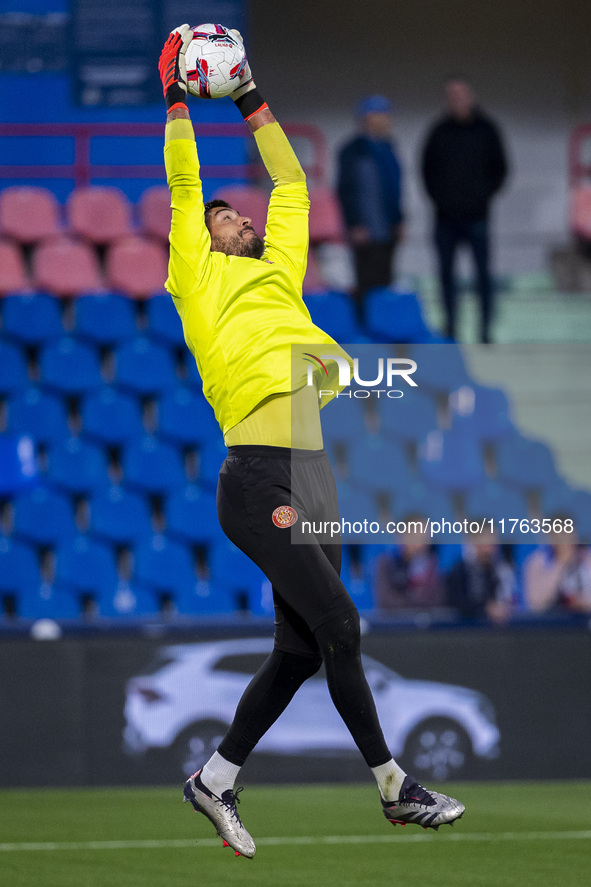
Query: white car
188,702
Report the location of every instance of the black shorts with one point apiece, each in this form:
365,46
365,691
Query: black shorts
265,494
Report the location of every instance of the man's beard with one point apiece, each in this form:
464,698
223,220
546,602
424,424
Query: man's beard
250,247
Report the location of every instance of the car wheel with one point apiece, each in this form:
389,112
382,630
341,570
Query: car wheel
196,745
438,748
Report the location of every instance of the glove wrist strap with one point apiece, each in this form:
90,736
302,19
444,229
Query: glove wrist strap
174,95
250,103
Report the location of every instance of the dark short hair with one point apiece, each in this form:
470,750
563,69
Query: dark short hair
214,204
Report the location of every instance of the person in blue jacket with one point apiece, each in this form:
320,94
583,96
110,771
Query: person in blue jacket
369,188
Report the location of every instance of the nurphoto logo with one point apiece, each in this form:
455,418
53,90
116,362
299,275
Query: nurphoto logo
390,370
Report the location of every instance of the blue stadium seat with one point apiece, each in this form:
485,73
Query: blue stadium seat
152,466
111,417
415,497
193,378
392,316
408,418
343,421
356,505
379,464
451,461
440,367
77,466
165,567
164,323
105,319
19,568
356,580
335,313
39,414
211,456
69,366
13,368
49,602
127,601
236,583
191,515
144,367
185,417
18,464
481,412
32,318
492,499
84,565
121,517
43,517
527,463
557,498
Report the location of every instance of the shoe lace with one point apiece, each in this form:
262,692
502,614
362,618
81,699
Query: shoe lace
230,799
417,793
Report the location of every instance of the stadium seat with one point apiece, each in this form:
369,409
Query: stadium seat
105,319
356,580
152,466
580,211
191,515
408,418
164,323
186,418
494,500
127,601
29,214
144,367
415,498
13,273
13,368
450,460
379,464
99,214
440,367
393,316
85,566
235,582
313,282
356,505
343,421
48,601
66,267
155,212
481,412
165,566
248,200
335,313
111,417
77,466
19,568
32,318
326,221
43,516
69,366
18,464
211,456
119,516
528,464
137,267
41,415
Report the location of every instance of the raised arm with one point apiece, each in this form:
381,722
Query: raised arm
190,243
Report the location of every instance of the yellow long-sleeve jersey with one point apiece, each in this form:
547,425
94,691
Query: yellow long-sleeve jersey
240,315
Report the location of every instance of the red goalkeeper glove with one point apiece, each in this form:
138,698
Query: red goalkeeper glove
173,67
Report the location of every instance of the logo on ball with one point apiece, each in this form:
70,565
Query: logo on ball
284,516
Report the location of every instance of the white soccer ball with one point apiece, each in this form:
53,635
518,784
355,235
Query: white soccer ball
215,60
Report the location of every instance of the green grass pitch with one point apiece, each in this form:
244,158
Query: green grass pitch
513,834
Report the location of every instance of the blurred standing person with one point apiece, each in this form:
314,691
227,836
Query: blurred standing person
463,167
369,188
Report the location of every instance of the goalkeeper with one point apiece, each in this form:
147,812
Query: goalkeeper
240,301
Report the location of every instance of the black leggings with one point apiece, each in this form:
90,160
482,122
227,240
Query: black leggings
264,496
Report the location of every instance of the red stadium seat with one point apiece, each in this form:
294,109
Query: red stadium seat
581,211
13,276
66,267
155,212
29,214
326,223
137,267
99,214
249,201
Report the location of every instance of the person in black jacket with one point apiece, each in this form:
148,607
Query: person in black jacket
369,189
463,166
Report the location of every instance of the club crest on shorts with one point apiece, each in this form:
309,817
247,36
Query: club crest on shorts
284,516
